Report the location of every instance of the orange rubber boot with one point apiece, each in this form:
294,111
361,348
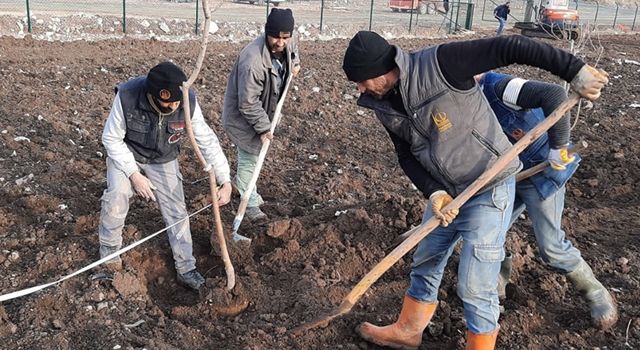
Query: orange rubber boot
485,341
406,333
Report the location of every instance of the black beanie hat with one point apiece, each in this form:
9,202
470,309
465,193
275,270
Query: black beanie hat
368,56
164,82
279,21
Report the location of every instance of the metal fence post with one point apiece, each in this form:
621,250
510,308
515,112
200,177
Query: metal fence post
634,17
29,17
457,17
484,4
321,14
615,17
370,15
124,16
411,17
595,20
469,21
267,15
197,7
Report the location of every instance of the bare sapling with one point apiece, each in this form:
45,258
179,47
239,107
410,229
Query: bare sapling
218,235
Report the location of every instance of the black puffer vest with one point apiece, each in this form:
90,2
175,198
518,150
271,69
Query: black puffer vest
453,134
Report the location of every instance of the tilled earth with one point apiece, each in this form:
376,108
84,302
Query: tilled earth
336,199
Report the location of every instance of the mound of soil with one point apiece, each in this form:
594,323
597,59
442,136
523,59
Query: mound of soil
335,195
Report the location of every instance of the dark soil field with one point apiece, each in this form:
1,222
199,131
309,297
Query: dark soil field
336,199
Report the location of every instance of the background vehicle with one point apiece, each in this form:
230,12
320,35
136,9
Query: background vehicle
262,2
554,20
421,6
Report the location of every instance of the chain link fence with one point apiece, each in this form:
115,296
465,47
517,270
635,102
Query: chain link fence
240,19
596,14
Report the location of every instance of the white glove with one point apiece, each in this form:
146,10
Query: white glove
589,82
560,158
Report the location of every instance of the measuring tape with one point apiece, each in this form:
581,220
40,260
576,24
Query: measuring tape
31,290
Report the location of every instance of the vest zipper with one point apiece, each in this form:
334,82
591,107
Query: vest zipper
424,134
435,162
412,116
430,99
485,143
159,129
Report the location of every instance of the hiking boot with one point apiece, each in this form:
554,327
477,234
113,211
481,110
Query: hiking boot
255,214
191,279
112,264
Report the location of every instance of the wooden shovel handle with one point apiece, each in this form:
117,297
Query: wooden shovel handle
244,201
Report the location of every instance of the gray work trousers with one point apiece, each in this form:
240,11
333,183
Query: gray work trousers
170,197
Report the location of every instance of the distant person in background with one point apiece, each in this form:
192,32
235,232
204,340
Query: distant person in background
500,13
255,86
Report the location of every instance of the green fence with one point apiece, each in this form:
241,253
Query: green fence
325,17
240,19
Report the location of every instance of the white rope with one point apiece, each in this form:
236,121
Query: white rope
31,290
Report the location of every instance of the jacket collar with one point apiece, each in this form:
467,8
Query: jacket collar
266,54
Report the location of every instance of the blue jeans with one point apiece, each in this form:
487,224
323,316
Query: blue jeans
246,166
501,24
546,216
482,225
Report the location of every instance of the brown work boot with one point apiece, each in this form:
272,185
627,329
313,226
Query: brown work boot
486,341
406,333
604,312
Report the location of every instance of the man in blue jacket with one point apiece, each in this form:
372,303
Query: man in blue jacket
501,12
520,105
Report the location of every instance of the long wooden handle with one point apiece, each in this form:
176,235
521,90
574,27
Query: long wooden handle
261,157
525,174
423,230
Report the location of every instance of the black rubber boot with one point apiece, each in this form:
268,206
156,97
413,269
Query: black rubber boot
191,279
504,276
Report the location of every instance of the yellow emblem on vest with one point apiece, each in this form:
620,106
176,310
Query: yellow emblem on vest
441,120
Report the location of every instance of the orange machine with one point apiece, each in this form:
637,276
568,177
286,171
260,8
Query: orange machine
554,20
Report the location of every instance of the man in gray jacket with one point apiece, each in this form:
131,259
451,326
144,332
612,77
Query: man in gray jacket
255,86
142,137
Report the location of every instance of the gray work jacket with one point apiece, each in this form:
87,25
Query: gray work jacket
454,134
253,92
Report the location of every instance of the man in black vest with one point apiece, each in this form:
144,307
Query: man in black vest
446,136
142,137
